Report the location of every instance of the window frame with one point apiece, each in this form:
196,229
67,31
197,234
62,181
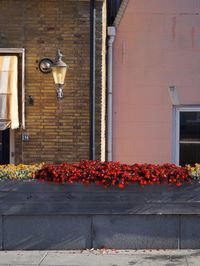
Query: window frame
178,110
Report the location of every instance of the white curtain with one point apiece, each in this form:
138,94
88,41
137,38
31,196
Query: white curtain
9,116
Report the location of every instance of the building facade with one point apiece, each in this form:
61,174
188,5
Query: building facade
156,81
53,131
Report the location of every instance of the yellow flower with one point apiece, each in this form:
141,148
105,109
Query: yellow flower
20,171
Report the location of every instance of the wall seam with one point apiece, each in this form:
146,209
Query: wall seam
179,239
2,227
91,234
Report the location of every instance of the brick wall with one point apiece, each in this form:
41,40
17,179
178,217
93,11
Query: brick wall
41,27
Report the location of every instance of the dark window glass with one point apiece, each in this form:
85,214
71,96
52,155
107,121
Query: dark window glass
190,126
189,153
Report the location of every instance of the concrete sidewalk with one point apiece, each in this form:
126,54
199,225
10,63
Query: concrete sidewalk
101,257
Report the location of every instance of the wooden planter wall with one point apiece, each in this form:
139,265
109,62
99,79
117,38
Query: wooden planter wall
48,216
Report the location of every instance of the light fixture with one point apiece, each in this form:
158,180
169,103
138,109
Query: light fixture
45,65
58,68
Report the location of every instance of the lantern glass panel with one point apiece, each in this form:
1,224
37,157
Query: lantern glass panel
59,74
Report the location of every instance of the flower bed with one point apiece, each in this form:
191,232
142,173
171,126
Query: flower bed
20,171
113,173
194,172
138,217
103,173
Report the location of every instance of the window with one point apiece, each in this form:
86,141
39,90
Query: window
187,135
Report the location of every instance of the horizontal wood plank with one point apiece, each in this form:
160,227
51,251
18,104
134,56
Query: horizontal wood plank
33,198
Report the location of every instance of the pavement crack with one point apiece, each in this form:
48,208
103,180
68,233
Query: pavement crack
42,259
186,261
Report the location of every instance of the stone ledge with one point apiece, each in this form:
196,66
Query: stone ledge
34,198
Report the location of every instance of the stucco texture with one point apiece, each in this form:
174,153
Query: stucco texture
157,45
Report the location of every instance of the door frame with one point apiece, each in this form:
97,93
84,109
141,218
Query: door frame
20,52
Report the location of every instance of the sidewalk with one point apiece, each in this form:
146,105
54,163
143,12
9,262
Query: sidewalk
101,258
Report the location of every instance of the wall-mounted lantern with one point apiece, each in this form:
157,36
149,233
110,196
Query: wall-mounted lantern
58,69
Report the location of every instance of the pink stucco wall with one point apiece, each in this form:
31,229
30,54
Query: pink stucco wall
157,45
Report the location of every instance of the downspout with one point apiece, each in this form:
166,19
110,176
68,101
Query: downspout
111,38
92,76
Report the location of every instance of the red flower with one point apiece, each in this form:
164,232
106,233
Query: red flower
113,173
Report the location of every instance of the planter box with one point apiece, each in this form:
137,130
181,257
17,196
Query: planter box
37,215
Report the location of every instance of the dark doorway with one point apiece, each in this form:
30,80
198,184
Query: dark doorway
4,146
